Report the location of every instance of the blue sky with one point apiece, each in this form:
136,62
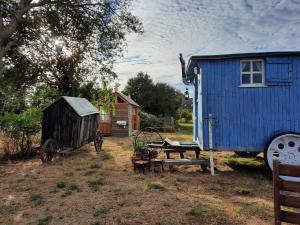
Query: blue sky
201,27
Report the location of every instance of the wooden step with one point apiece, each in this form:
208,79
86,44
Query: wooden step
186,161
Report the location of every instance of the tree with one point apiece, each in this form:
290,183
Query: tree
62,43
159,99
141,89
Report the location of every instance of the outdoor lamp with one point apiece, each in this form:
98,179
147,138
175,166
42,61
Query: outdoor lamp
196,70
186,94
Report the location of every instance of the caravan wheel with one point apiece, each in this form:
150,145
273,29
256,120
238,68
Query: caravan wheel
285,147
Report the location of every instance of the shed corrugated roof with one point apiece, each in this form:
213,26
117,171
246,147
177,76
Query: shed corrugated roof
80,105
128,99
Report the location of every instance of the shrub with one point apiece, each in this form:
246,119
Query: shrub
37,199
156,186
95,184
19,131
183,115
150,120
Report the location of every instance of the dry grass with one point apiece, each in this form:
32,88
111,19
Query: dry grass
65,191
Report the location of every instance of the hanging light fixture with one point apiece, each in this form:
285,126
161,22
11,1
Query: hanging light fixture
186,94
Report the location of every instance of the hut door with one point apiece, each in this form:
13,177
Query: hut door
134,119
105,122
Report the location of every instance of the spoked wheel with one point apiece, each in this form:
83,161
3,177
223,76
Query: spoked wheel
48,150
98,140
285,148
147,136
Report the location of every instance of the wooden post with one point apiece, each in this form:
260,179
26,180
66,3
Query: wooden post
210,139
276,183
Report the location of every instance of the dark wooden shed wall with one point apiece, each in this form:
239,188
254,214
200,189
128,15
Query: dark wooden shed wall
62,123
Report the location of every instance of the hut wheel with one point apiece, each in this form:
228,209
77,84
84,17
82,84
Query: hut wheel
285,147
48,150
98,140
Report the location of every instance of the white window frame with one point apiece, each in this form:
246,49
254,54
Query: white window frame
251,72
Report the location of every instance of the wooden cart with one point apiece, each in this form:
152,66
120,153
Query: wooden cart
68,124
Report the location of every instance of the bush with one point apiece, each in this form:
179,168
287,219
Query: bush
19,131
183,115
150,120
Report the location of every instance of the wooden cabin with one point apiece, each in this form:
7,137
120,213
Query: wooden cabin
124,120
71,122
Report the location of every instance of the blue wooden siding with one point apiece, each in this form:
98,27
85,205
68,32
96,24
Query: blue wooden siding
246,118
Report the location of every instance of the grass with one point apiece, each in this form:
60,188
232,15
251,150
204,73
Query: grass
37,199
156,186
198,211
60,184
96,223
95,184
95,166
45,221
235,162
105,156
66,194
69,174
8,209
250,209
242,190
73,187
185,128
89,173
101,211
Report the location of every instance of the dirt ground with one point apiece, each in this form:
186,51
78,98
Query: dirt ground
91,189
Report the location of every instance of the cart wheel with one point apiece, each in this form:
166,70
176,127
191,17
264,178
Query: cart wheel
98,140
48,150
285,147
247,154
147,136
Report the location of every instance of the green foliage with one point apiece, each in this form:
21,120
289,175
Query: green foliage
44,96
69,42
95,184
61,184
159,99
138,145
183,115
150,120
156,186
242,190
101,211
45,221
19,129
37,199
198,211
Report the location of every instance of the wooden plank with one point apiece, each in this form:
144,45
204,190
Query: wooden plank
290,201
289,217
186,161
289,186
289,170
276,181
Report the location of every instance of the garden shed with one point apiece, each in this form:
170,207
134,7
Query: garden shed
70,121
124,120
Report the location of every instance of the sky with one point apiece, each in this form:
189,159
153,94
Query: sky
205,27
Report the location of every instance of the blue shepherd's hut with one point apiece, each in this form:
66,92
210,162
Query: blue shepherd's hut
247,103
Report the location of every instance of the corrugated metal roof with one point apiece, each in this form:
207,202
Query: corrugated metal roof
80,105
128,99
245,55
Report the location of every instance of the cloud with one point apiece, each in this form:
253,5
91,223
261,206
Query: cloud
200,27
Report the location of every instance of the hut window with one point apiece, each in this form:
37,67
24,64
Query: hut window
252,73
105,117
